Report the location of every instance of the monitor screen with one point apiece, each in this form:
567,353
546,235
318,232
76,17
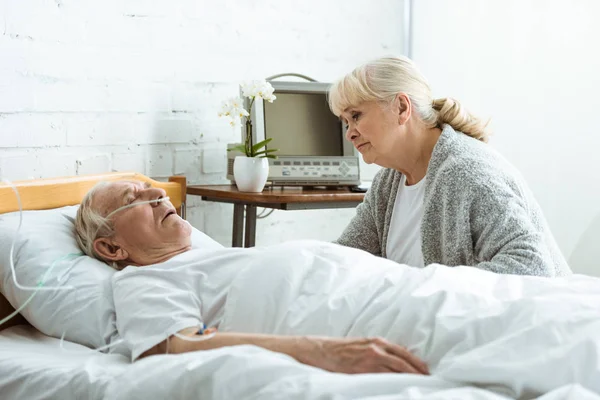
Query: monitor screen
301,124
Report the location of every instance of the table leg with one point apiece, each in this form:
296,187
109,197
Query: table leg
237,234
250,226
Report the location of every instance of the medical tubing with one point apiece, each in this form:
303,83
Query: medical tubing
197,338
201,338
39,285
12,249
137,203
101,348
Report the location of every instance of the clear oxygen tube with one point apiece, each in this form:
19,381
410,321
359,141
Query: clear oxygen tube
40,286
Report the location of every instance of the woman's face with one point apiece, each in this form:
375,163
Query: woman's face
376,130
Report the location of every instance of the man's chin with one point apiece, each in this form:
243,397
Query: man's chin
181,229
187,227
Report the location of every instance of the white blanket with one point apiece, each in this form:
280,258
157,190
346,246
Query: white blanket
522,336
33,366
251,373
511,335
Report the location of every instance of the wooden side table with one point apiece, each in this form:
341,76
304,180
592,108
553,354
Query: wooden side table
280,198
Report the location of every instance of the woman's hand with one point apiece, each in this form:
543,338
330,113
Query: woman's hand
356,356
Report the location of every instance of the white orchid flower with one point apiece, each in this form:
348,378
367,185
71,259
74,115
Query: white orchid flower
249,89
233,108
234,122
258,90
225,110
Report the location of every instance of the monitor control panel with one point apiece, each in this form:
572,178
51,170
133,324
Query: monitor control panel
328,170
308,170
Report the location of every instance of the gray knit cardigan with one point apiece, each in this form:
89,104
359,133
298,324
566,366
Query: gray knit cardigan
477,211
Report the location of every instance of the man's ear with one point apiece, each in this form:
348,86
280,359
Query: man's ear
109,249
402,107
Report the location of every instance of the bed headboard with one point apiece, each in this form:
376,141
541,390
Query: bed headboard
44,194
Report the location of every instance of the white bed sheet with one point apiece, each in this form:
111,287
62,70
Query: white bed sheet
33,366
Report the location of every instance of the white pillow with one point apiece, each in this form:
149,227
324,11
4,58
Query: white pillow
85,314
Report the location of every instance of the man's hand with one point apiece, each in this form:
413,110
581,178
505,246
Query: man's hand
345,355
357,356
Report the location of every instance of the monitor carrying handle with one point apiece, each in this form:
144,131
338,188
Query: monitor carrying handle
308,78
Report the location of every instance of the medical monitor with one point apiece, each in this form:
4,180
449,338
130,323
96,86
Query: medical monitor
310,138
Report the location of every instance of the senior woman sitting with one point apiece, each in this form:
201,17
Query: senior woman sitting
334,307
444,196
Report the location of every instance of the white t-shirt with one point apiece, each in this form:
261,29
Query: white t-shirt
156,301
404,235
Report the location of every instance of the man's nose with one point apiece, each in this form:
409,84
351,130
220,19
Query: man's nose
155,194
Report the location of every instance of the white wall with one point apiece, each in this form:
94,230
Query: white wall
89,86
92,86
533,67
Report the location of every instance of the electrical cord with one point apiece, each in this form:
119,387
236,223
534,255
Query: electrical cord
263,215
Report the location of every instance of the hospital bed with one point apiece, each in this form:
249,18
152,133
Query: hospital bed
33,365
38,366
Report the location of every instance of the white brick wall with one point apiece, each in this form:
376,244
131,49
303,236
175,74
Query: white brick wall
116,85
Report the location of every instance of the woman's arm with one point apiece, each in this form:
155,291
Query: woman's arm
506,237
361,233
343,355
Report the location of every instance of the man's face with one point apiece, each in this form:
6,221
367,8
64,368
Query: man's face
146,233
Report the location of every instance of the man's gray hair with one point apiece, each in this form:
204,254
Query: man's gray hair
90,224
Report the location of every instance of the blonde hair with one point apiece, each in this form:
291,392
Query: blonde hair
383,78
90,225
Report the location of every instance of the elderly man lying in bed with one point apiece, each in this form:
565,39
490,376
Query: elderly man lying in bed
332,307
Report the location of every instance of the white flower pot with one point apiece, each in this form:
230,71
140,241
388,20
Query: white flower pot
250,173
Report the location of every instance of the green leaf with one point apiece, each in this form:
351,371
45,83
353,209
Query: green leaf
266,151
239,147
260,145
270,156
